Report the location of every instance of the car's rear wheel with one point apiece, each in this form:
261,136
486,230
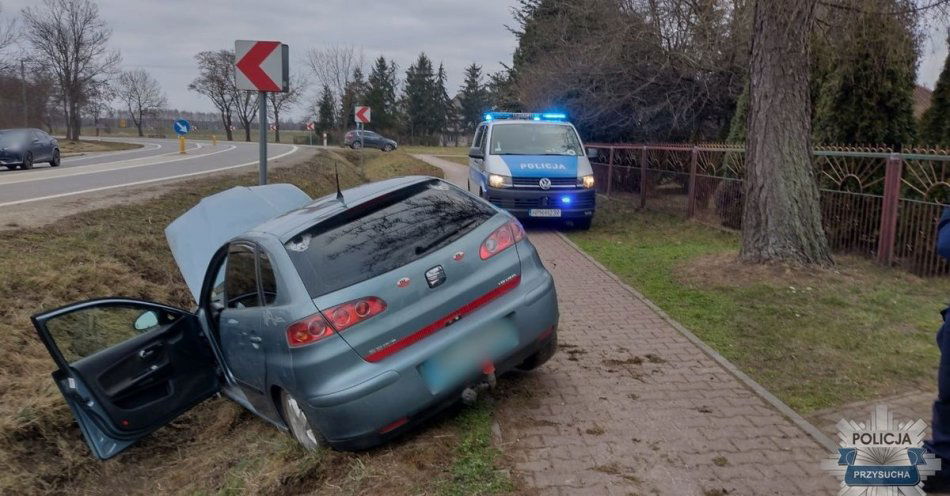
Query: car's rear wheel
27,161
299,424
539,357
54,162
388,148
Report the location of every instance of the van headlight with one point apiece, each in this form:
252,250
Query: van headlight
587,181
499,181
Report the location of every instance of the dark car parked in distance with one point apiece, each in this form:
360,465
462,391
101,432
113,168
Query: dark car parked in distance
370,140
25,147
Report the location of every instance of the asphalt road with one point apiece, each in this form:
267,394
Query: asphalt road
158,160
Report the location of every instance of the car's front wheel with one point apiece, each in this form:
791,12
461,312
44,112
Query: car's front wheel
54,162
356,145
299,424
388,148
27,161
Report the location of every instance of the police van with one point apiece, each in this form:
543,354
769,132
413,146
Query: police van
534,166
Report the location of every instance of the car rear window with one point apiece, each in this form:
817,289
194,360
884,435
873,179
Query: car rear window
383,234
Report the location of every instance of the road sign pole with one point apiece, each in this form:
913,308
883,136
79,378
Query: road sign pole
262,120
362,144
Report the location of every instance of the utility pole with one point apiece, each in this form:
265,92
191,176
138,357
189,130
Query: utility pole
26,121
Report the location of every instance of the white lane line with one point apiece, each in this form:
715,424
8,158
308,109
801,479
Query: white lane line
145,148
111,167
147,181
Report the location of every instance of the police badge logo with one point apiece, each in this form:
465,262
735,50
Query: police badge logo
881,457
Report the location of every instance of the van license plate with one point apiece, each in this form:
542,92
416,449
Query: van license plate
544,212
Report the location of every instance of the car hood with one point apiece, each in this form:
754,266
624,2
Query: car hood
542,165
201,231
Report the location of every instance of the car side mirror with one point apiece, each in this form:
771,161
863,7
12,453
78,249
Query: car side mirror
476,153
147,320
592,153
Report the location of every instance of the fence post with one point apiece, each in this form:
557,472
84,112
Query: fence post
892,191
691,188
643,177
610,170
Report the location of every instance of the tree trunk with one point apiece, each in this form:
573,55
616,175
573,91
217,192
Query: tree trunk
247,131
781,220
276,125
138,125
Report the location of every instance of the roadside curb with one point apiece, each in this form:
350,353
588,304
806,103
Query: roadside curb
812,431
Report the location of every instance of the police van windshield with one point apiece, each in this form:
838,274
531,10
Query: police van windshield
534,139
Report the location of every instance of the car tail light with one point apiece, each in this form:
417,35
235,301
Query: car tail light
503,237
332,320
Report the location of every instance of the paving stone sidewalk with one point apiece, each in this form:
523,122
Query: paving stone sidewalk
630,405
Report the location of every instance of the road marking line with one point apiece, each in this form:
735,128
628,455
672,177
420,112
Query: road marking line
157,146
86,169
147,181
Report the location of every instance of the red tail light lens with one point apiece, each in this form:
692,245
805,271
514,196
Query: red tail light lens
345,315
499,240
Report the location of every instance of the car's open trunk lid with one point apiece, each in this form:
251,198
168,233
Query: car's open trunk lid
197,234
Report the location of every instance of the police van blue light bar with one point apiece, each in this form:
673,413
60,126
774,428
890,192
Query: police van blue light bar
534,116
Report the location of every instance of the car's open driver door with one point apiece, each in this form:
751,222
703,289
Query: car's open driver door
127,367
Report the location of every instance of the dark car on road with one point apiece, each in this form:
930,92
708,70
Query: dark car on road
25,147
370,140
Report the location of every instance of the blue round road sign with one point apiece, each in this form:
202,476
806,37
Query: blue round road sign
182,126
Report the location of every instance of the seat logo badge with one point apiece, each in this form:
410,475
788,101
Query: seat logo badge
459,255
402,282
435,276
545,183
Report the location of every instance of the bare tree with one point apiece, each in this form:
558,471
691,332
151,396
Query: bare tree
282,102
8,34
141,94
245,108
216,81
334,66
70,38
96,102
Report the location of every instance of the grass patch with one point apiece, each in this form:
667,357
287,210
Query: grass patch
815,338
217,448
91,146
436,150
455,158
474,471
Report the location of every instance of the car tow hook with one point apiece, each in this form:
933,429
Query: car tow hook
470,394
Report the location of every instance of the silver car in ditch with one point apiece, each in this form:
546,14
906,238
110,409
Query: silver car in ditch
345,320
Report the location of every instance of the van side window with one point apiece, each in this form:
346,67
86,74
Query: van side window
479,137
240,281
268,280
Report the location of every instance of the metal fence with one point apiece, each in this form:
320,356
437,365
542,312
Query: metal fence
874,202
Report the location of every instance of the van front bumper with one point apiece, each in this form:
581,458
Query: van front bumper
573,203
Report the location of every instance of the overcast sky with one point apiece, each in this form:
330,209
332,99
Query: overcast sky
163,36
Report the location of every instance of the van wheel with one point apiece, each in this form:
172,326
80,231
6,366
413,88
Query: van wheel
582,224
300,426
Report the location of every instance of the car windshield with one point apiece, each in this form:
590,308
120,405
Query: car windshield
383,234
14,137
534,139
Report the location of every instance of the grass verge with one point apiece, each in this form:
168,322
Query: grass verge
90,146
815,338
436,150
217,448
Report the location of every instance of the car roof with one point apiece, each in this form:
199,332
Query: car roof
288,225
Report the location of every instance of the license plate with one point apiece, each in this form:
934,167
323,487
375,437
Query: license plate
544,212
466,357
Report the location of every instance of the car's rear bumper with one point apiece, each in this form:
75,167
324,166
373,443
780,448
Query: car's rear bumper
395,391
572,203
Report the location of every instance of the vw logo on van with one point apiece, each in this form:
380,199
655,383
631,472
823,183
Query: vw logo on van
545,183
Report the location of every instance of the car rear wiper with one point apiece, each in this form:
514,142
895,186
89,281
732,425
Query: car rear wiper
422,249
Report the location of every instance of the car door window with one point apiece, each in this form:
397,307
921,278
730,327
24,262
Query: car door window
268,279
240,282
87,331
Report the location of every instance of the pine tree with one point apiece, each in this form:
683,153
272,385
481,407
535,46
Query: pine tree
353,95
737,127
381,94
935,123
325,110
442,107
473,98
867,98
418,98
